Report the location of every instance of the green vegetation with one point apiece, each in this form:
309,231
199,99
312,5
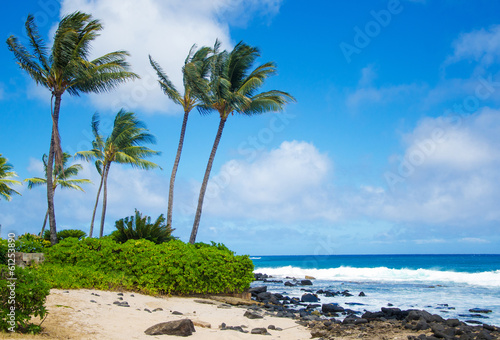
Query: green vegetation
66,68
124,146
138,227
171,268
61,177
5,179
61,235
26,243
27,299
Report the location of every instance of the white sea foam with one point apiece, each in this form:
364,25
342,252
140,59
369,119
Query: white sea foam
384,274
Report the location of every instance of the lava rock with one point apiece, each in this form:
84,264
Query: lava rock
306,282
332,308
182,327
309,298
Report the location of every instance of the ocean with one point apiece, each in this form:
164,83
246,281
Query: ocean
448,285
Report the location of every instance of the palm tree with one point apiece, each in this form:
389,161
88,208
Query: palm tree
66,68
195,69
123,145
233,89
61,177
5,179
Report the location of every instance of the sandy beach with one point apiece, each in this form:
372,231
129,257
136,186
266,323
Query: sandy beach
73,315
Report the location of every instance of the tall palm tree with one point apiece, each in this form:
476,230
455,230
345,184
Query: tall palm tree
233,88
66,67
123,145
61,177
195,69
5,179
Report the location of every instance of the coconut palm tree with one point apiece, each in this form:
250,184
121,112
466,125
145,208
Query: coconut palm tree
66,67
5,179
123,145
61,177
195,69
233,89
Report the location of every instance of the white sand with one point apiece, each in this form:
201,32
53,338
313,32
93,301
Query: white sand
73,316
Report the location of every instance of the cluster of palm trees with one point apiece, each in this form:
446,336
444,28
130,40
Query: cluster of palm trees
213,80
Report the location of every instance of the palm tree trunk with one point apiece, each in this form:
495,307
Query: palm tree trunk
203,189
174,170
104,198
44,223
50,167
95,206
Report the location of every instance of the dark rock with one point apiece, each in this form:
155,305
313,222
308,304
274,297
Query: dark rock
182,327
453,322
484,335
147,310
480,310
120,298
264,296
309,298
331,308
120,294
373,315
160,309
93,301
252,315
256,290
354,304
273,281
346,293
424,315
306,282
261,330
362,294
260,276
289,284
174,312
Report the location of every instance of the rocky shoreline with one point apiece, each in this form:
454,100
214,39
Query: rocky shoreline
332,321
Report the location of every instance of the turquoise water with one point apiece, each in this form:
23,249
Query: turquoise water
448,285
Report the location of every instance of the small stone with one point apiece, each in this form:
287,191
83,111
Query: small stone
120,298
259,330
480,310
93,301
174,312
147,310
159,310
131,295
252,315
120,294
362,294
271,327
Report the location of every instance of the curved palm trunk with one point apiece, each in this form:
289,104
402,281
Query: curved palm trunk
50,167
174,169
44,223
203,189
104,198
95,207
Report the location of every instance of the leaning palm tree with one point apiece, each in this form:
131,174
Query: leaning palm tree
195,69
61,177
123,145
66,67
233,88
5,179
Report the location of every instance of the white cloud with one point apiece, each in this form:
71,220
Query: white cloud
447,175
482,46
289,183
367,94
164,30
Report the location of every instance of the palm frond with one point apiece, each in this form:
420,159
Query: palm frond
165,83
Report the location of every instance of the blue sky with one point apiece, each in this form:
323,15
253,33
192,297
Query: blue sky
392,146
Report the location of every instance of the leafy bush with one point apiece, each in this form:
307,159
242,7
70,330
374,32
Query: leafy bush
138,227
26,243
61,235
172,267
21,298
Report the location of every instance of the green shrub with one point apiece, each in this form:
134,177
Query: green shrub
172,267
138,227
22,298
29,243
61,235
